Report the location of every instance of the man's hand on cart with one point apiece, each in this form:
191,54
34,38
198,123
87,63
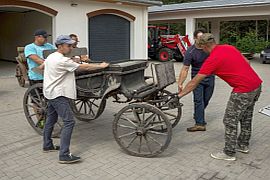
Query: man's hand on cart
191,85
85,58
81,59
76,59
104,65
93,66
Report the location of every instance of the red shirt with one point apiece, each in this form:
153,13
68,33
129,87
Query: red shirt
229,64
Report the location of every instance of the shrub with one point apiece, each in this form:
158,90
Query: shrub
250,43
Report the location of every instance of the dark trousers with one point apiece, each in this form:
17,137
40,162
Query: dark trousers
59,107
239,109
201,97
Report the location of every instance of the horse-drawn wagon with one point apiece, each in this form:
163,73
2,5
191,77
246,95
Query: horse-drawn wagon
144,126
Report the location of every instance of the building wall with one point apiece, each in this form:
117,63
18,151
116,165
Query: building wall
213,15
18,31
74,20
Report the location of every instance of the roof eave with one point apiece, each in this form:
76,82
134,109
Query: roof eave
143,2
133,2
205,8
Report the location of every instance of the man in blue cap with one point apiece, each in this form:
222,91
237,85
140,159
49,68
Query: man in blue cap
59,87
34,54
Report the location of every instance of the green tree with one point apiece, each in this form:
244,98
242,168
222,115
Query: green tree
251,43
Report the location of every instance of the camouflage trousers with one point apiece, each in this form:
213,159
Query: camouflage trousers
239,109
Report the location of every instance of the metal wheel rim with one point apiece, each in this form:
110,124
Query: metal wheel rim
174,119
87,109
139,131
34,117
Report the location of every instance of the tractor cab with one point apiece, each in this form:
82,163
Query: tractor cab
154,34
165,47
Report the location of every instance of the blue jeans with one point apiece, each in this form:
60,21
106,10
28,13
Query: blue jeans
201,97
59,107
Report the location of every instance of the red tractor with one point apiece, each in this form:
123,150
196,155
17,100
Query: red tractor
166,47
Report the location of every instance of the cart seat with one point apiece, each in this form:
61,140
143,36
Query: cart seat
163,74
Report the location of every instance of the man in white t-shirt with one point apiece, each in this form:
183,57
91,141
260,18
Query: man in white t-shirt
59,87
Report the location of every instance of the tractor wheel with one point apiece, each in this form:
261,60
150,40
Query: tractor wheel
165,54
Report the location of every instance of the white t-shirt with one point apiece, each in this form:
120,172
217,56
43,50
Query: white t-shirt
59,77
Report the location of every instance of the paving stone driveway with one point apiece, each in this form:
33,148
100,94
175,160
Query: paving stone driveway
186,158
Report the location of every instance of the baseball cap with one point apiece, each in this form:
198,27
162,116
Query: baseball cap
41,32
205,38
64,39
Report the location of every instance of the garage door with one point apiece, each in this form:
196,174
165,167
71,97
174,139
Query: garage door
109,38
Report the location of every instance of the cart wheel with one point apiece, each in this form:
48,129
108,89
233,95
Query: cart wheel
35,109
19,76
87,109
133,130
174,114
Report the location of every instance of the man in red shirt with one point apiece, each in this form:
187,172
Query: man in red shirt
229,64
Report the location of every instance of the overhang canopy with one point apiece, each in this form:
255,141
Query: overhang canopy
214,4
135,2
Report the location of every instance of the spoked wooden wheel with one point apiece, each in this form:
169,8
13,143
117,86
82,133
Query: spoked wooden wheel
87,109
19,76
174,113
35,109
133,130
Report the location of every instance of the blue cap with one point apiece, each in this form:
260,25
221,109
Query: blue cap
64,39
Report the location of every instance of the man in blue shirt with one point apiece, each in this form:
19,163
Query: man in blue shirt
195,58
34,54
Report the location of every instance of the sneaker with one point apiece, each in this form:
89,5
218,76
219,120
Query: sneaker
51,149
196,128
242,149
68,159
223,156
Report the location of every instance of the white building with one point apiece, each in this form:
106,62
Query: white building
213,11
111,29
